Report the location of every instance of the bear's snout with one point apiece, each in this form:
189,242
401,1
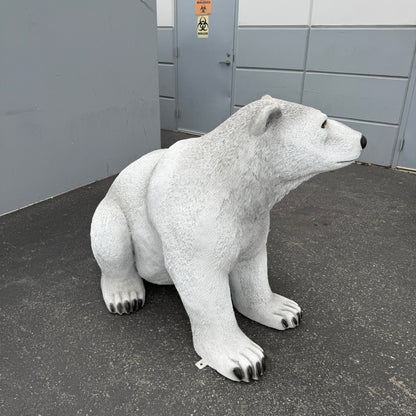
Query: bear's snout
363,141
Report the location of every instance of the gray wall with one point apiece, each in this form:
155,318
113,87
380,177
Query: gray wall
167,77
357,75
78,93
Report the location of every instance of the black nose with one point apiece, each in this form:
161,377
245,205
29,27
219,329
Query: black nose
363,141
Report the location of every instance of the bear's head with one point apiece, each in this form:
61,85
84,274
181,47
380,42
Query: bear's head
301,140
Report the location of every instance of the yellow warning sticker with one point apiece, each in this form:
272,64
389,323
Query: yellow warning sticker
203,7
202,26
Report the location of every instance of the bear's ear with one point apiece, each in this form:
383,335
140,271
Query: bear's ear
266,97
263,118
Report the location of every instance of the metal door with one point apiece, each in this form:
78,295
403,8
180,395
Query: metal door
407,155
205,65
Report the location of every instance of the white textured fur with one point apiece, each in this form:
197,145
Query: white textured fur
197,215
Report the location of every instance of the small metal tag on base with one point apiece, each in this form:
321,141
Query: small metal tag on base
201,364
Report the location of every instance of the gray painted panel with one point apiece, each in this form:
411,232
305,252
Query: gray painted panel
167,114
359,97
374,51
281,48
407,157
204,80
78,100
167,80
252,84
381,140
165,45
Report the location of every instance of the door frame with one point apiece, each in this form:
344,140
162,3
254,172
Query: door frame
410,95
177,52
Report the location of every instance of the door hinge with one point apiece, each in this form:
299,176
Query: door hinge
402,145
176,52
177,113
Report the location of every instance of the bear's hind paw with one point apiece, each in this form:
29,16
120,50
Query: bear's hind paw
123,295
126,306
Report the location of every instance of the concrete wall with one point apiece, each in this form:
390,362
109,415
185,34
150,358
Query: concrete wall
78,93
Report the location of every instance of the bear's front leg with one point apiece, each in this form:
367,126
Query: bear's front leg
217,338
253,297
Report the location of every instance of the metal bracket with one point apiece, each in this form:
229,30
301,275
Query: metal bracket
201,364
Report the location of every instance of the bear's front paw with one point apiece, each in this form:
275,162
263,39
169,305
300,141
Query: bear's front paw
277,312
234,356
123,296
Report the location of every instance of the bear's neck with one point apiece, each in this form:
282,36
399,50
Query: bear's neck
256,182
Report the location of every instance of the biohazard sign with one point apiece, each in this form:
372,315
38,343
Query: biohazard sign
202,26
203,7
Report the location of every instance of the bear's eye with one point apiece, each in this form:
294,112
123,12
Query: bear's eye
323,124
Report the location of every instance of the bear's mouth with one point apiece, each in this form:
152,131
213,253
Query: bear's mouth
347,161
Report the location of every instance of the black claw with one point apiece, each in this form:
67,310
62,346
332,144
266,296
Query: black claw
238,373
120,308
140,304
301,313
127,306
284,323
112,308
259,369
299,317
134,305
263,363
250,372
295,322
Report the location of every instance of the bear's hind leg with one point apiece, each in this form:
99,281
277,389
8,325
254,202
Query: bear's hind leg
122,288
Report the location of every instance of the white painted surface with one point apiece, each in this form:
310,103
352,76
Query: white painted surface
273,12
324,12
367,12
165,12
198,214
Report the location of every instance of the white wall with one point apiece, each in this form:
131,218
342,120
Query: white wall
364,12
326,12
165,12
78,93
273,12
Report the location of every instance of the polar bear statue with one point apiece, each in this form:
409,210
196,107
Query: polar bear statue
196,215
